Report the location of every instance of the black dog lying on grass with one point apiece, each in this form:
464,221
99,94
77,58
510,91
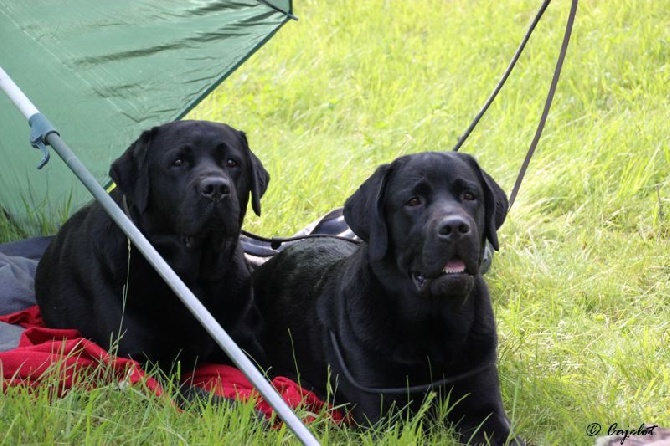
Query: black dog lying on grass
186,186
381,321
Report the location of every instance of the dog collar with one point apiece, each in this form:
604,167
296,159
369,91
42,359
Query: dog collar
400,390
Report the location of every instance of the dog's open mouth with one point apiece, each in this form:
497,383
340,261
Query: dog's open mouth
453,267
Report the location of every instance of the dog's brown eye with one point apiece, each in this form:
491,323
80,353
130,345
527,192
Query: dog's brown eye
231,163
414,201
468,196
179,161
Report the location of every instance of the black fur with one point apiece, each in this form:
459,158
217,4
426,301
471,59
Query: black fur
187,185
398,318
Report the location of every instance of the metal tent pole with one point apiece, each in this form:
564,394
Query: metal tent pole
183,292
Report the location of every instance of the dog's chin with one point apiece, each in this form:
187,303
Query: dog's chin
215,240
456,287
214,231
453,283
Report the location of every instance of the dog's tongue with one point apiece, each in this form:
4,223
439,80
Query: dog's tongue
454,266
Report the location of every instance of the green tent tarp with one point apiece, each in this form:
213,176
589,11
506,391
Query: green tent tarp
103,71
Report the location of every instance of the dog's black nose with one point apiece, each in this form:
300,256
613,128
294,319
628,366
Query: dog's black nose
453,227
214,188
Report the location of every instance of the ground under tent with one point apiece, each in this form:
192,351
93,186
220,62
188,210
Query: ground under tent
31,354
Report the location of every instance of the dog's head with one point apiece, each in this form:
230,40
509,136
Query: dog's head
191,179
426,217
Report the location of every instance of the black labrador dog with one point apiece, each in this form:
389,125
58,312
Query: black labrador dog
404,312
185,185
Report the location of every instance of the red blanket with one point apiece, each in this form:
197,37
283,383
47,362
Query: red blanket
44,351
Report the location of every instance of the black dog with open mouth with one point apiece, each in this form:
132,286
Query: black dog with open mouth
405,312
186,186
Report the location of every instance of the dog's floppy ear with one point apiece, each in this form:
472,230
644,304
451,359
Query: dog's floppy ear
500,198
130,171
364,212
260,178
496,204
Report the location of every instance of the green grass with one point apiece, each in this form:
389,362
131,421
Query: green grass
582,280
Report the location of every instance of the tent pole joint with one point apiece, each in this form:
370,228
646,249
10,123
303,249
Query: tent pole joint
40,127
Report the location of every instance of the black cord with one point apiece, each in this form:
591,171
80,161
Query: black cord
276,242
502,81
547,104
